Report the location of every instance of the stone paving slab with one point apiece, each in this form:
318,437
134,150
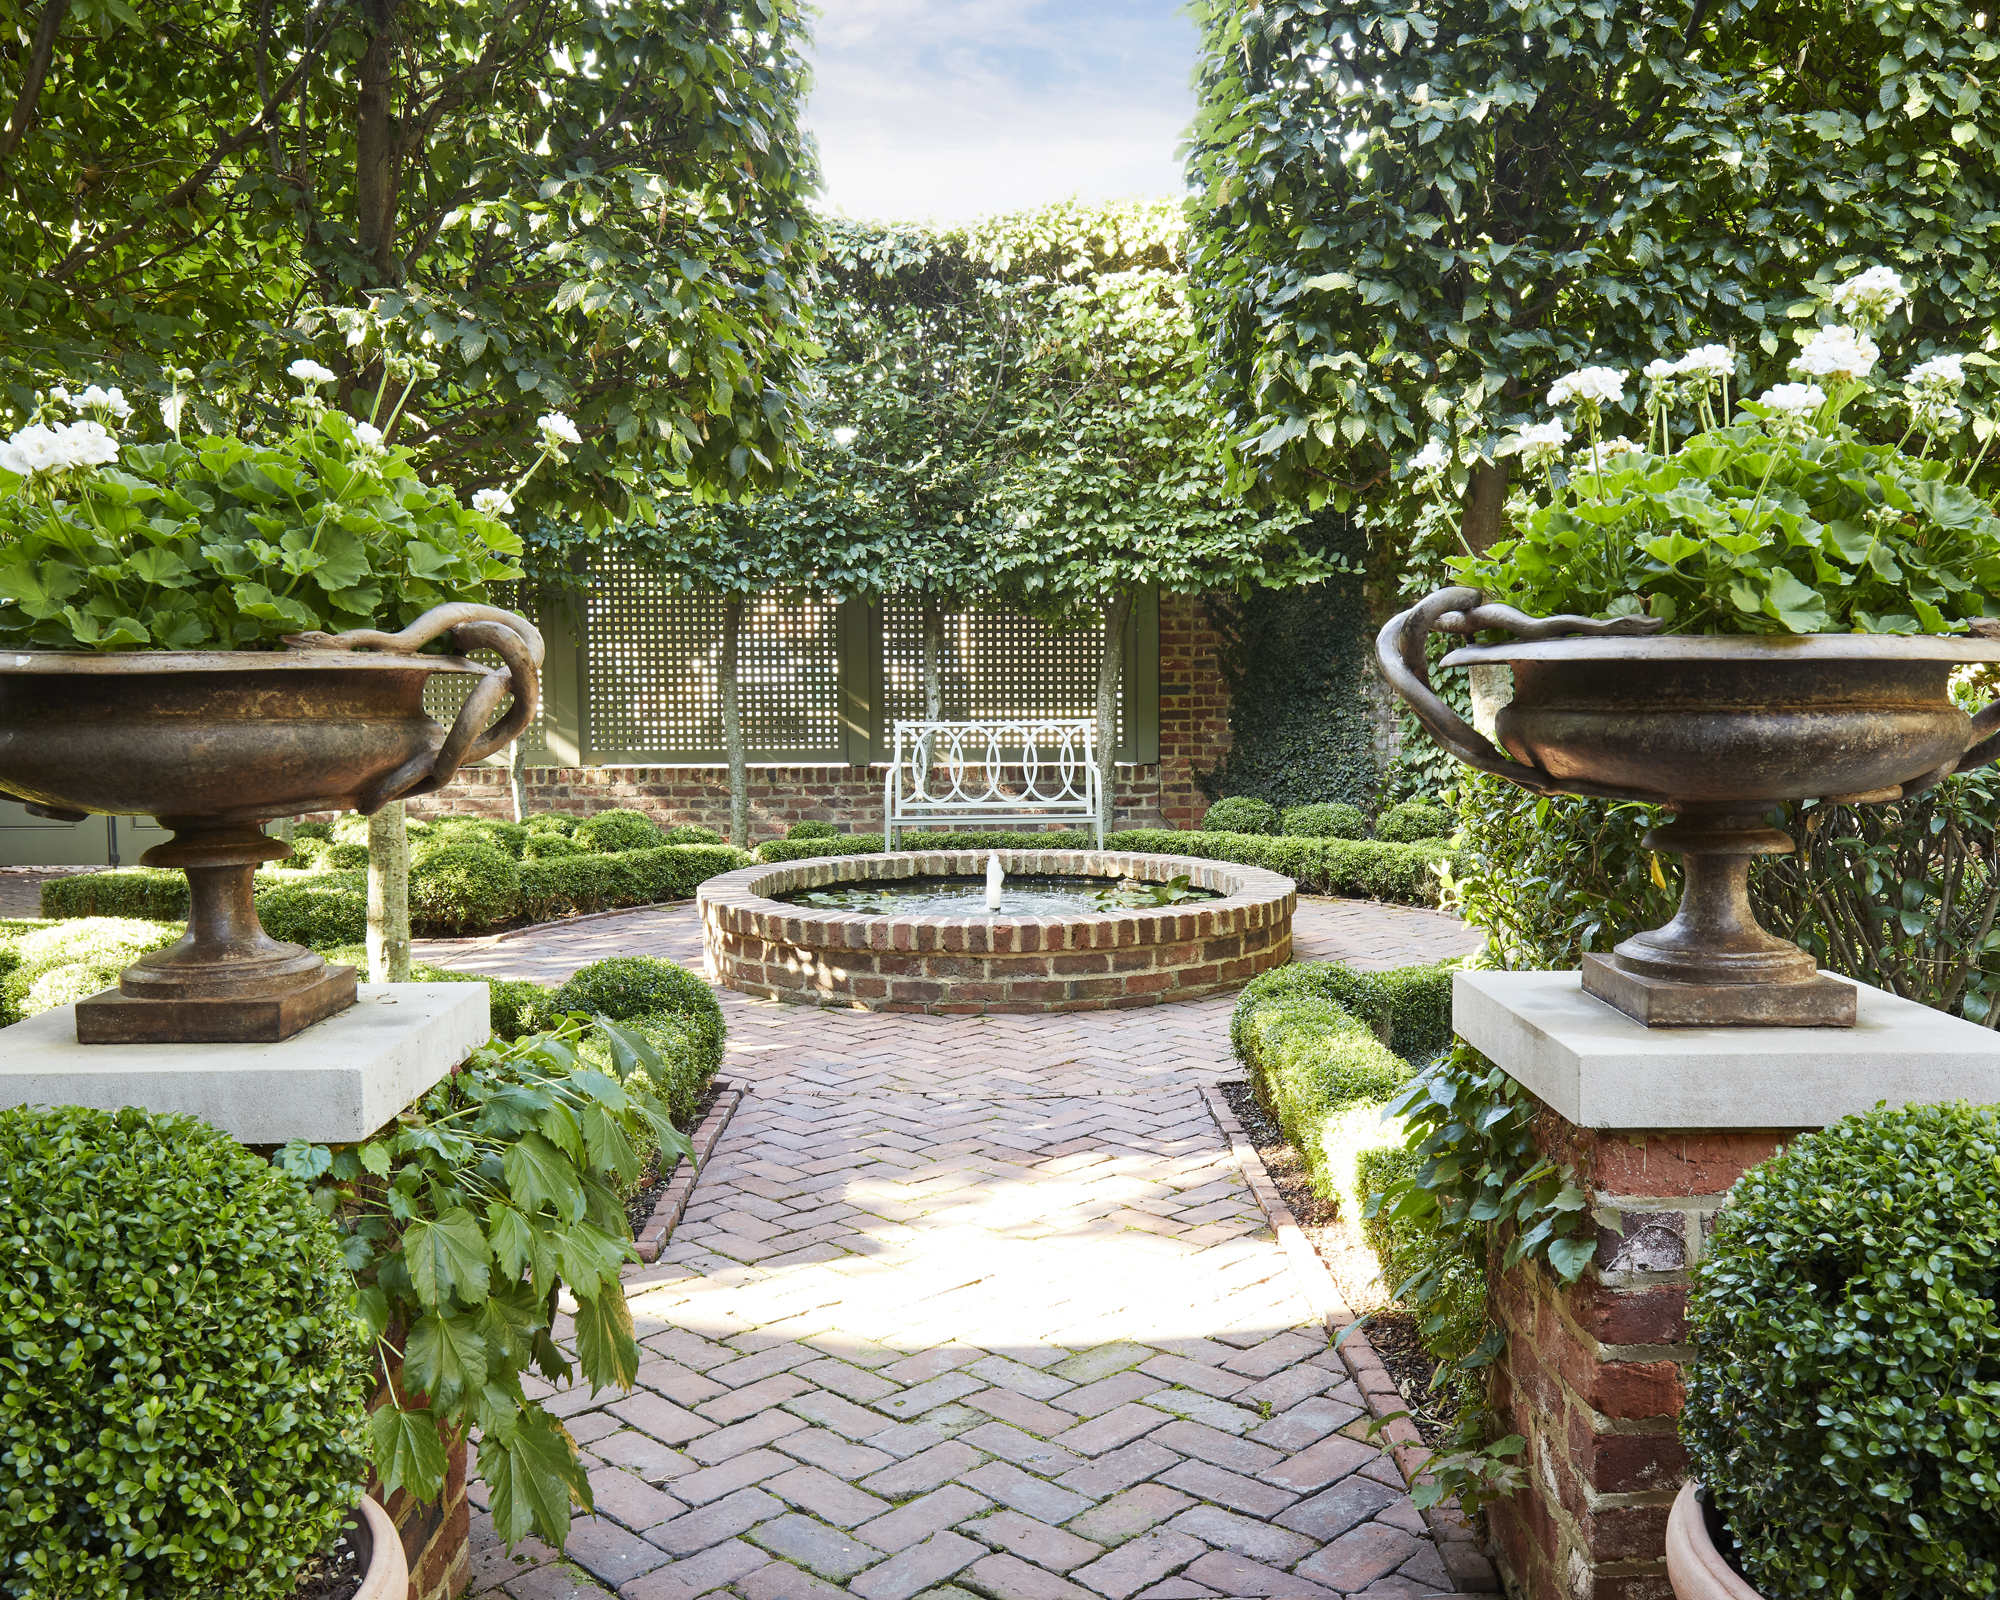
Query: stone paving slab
969,1309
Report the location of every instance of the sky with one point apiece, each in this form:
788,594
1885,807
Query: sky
959,108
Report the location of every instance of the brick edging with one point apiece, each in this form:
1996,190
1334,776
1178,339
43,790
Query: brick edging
1455,1540
674,1198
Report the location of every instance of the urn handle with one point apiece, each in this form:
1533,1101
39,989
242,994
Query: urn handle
1399,651
472,627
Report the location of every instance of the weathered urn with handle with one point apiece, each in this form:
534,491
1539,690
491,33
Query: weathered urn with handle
1719,731
217,743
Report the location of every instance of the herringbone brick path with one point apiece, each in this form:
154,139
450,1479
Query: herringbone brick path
965,1308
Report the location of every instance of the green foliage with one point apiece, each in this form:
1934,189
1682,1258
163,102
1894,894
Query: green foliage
592,209
1411,874
184,1381
518,1006
631,986
1329,819
548,845
343,855
610,832
464,1224
1296,663
1454,1324
1409,1008
457,886
1751,529
1241,813
152,892
576,884
812,830
1383,253
690,833
846,844
53,966
311,830
227,544
1841,1410
551,822
327,909
510,838
1411,820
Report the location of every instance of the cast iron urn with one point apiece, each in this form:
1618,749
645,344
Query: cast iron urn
217,743
1718,731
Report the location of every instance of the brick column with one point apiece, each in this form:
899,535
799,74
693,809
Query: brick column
435,1534
1591,1375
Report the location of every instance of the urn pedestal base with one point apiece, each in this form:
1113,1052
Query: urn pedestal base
116,1018
1818,1002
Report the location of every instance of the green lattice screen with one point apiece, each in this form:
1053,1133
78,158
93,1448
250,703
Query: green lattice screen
996,664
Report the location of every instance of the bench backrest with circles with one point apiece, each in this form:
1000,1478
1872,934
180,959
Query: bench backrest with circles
1038,769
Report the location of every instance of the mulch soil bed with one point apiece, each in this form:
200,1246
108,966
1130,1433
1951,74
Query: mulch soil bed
333,1576
1337,1238
652,1181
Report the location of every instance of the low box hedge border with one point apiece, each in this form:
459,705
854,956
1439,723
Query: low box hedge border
1358,868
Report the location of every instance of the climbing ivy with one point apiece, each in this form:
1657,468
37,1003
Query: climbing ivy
1294,662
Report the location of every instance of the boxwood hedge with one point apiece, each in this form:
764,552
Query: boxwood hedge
183,1385
1843,1404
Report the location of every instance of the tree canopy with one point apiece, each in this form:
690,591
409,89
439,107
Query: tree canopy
1409,221
591,208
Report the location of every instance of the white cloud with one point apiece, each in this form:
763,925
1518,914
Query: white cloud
959,108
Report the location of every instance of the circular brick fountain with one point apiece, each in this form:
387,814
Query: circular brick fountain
762,946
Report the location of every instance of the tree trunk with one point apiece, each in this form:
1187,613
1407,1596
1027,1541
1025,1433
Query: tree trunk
932,622
732,724
376,140
517,779
1485,506
1110,667
388,896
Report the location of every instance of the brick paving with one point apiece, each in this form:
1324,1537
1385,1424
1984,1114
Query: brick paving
972,1308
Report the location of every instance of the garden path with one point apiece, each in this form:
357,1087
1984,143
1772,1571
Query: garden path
973,1306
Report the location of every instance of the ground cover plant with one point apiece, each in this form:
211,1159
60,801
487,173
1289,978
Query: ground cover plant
184,1383
1841,1409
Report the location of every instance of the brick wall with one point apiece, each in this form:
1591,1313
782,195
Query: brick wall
1194,733
435,1535
1591,1376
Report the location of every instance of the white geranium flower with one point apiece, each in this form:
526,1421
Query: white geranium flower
492,502
108,400
1434,457
1939,416
88,444
1710,361
1539,444
368,436
1940,372
311,373
1794,399
558,429
1872,294
1660,370
1619,445
843,436
42,449
1843,354
1596,386
60,396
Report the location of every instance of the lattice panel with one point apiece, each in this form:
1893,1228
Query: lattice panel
996,664
652,691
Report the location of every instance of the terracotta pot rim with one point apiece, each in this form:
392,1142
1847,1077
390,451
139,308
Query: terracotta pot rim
1735,647
151,663
1694,1566
387,1575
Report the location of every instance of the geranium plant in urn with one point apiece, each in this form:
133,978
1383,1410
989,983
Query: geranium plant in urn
218,631
1768,609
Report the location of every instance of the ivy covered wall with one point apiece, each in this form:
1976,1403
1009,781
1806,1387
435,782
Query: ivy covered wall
1302,707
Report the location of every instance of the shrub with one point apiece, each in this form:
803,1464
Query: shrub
690,833
1407,873
1240,813
518,1007
311,830
552,822
1328,819
638,877
306,856
612,832
812,830
677,1010
322,909
548,845
152,892
690,1049
1841,1408
1455,1320
184,1385
457,886
1314,1063
506,837
1409,1008
1414,820
52,966
344,855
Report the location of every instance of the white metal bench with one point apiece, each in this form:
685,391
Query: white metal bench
1041,769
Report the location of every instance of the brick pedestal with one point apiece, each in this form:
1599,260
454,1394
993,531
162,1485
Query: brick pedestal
1591,1376
436,1534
